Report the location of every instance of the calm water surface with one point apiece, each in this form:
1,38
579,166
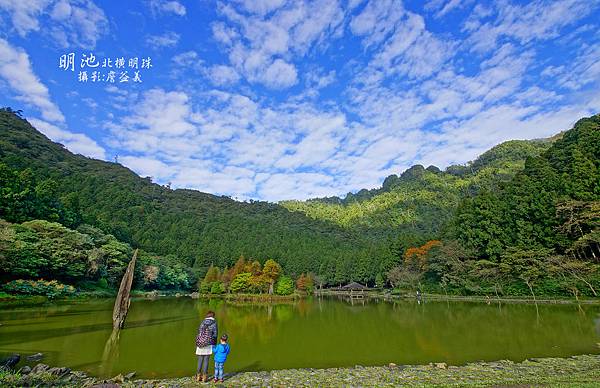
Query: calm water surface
158,338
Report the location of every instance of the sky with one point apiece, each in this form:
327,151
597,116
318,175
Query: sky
275,99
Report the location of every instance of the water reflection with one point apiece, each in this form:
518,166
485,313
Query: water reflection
158,337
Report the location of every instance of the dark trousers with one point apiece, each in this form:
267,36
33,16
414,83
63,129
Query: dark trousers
203,364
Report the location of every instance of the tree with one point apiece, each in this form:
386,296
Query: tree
259,283
580,224
415,258
254,268
527,265
285,286
150,276
574,271
305,283
379,280
450,266
240,282
217,288
212,274
271,271
404,277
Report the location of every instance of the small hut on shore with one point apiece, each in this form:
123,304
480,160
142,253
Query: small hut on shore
355,289
354,286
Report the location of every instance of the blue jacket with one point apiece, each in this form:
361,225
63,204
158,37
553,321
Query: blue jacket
220,352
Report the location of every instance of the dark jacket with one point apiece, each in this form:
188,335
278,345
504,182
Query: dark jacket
209,324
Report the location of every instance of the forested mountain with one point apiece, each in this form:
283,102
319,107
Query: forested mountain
523,217
199,228
422,200
530,211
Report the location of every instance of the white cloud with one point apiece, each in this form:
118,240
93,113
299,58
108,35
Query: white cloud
16,70
406,95
261,45
68,22
443,7
524,23
279,75
188,59
261,7
223,75
225,146
404,46
294,186
79,22
168,39
75,142
147,167
583,70
377,20
318,79
167,7
24,14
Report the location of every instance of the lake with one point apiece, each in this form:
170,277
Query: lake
158,338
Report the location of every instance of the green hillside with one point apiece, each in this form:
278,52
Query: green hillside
421,200
199,228
523,217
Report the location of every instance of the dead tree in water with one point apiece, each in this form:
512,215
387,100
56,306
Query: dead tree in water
122,301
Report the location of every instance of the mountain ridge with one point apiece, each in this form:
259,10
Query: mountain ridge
338,242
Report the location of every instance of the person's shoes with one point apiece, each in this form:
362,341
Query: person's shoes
197,377
220,380
215,380
204,378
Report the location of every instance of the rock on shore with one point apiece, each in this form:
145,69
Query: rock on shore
576,370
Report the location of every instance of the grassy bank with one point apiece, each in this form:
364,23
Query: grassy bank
386,294
259,298
10,299
576,371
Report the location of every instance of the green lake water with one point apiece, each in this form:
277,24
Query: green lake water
158,338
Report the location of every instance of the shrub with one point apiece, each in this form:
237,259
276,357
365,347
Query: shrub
51,289
284,286
102,283
204,287
240,282
217,288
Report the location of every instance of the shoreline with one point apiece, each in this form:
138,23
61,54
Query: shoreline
579,370
16,299
458,298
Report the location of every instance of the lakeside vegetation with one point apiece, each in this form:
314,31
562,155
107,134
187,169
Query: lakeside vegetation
522,219
250,277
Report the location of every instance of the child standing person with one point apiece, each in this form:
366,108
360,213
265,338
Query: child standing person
220,352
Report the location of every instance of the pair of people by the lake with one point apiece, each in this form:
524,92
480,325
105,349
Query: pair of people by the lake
206,344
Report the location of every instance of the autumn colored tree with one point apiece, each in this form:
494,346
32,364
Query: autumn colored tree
305,283
238,267
226,277
416,257
212,275
271,271
259,283
254,268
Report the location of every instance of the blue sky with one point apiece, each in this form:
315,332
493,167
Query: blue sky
275,99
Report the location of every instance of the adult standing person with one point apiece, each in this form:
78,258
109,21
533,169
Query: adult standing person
206,338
